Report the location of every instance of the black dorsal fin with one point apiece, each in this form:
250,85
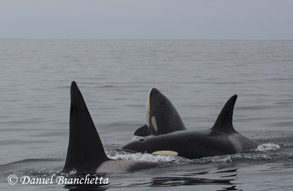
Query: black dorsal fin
224,122
162,116
143,131
85,149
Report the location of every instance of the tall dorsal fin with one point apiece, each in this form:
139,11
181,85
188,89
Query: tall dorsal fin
162,116
224,122
85,149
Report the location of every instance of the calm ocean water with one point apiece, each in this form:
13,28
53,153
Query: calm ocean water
115,76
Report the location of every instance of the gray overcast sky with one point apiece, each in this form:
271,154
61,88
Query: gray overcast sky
147,19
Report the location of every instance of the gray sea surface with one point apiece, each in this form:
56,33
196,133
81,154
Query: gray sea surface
115,77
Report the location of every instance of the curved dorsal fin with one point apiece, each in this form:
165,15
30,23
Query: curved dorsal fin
224,122
162,116
85,149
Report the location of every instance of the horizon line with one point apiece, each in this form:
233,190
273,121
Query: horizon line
214,39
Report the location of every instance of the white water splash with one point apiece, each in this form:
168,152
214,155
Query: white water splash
233,158
267,147
122,155
72,172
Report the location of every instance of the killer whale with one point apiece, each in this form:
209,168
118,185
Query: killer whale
85,152
160,112
221,139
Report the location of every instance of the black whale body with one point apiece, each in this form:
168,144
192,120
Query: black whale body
221,139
